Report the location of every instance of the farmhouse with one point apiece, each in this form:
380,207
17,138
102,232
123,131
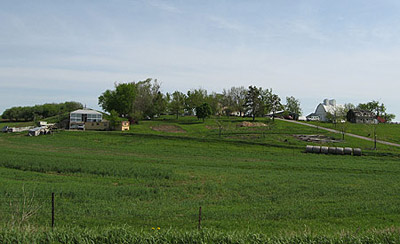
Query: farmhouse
87,119
326,110
361,116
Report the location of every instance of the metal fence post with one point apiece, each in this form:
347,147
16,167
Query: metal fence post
52,210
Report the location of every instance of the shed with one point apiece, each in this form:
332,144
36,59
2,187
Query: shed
81,117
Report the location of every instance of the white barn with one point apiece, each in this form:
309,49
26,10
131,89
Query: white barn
327,107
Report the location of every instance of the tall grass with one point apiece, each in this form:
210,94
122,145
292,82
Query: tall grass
114,235
256,179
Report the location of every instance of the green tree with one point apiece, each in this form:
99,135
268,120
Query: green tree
253,102
274,102
203,111
215,102
195,98
149,100
135,100
373,106
227,102
293,105
266,101
121,99
348,107
160,104
177,104
114,119
233,100
29,113
378,108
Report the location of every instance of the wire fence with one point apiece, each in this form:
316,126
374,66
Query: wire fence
58,209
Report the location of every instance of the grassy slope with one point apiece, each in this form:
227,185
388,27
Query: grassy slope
385,132
249,179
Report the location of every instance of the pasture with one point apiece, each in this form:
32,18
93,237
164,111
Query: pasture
246,179
385,132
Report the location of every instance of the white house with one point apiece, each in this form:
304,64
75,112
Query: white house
79,118
325,108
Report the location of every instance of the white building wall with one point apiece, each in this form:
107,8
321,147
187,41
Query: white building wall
321,112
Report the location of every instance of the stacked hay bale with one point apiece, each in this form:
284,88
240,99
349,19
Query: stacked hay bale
334,150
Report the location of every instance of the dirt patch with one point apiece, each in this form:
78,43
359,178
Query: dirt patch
168,128
316,138
251,124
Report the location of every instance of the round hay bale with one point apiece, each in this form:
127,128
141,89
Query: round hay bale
309,149
332,150
357,152
324,150
316,149
339,151
348,151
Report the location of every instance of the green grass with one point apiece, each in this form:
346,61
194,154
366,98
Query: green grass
385,132
130,235
250,179
16,124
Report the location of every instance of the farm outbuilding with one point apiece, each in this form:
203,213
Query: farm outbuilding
361,116
87,119
324,109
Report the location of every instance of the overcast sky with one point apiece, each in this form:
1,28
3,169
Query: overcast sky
56,51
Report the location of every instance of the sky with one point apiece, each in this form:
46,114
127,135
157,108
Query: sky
56,51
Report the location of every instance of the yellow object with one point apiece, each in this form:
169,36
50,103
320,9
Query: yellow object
122,126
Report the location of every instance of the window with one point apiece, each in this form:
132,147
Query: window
76,117
94,117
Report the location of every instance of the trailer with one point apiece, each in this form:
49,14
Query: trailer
41,130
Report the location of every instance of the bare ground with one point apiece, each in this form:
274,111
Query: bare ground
168,128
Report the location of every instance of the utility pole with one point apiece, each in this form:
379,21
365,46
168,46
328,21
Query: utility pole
343,133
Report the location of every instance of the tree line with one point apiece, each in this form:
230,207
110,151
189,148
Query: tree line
31,113
143,99
378,108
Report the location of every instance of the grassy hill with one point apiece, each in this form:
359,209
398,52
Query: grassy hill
254,179
385,132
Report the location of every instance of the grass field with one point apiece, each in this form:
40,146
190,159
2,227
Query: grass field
384,132
252,179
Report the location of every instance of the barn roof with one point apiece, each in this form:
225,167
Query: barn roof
361,112
85,111
331,108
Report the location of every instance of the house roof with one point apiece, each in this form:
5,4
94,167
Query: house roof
85,111
362,113
380,119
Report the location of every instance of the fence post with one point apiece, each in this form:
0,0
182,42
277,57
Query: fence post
52,210
199,227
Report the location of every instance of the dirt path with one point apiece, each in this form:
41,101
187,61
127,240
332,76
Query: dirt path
339,132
